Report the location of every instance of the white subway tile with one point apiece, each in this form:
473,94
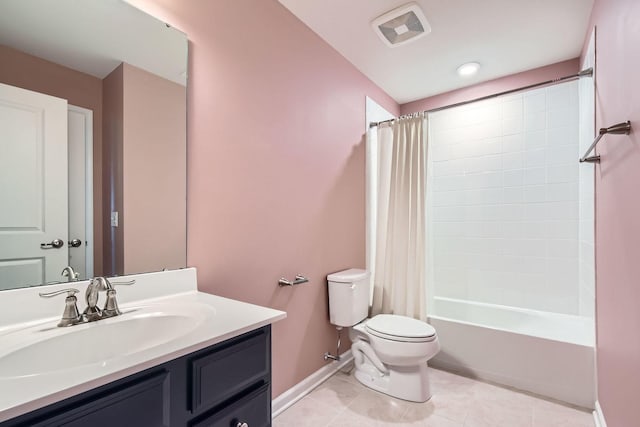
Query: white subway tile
534,265
484,180
535,158
485,229
488,129
512,230
535,121
483,164
535,212
534,229
513,194
513,178
477,245
512,143
562,248
563,135
449,167
485,261
439,152
448,183
449,198
512,263
513,160
533,140
562,210
526,247
512,107
562,229
449,229
562,173
562,117
562,96
451,290
534,176
512,125
506,212
535,193
565,154
562,192
449,213
483,196
535,102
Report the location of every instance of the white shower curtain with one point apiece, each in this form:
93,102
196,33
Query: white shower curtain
399,264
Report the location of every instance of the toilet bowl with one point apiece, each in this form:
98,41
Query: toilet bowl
390,351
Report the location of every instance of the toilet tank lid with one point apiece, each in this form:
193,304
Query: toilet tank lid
347,276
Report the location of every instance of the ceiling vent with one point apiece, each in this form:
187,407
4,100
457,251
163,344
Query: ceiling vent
402,25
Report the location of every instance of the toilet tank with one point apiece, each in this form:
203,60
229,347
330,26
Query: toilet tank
348,297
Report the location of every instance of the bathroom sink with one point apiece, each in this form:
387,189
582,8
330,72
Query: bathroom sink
43,350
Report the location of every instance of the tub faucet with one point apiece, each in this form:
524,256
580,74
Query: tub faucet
98,284
70,274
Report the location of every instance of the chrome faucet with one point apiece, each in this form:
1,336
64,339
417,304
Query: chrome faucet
92,313
70,274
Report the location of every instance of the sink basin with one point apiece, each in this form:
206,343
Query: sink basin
39,351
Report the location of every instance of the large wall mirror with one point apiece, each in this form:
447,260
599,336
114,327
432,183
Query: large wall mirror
92,141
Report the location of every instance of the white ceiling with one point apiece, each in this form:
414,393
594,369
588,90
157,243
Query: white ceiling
504,36
93,36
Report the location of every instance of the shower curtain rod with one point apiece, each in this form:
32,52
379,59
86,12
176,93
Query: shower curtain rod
584,73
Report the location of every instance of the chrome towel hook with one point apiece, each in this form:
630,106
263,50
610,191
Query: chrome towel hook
623,128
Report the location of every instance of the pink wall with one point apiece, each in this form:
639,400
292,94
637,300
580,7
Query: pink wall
618,211
33,73
154,170
276,179
502,84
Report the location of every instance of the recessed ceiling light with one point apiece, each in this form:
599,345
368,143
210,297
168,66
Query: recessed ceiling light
468,69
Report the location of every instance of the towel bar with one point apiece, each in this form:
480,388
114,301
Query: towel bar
623,128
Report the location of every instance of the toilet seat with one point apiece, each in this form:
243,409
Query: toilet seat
400,328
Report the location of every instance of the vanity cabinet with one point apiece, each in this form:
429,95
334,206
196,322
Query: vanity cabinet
225,385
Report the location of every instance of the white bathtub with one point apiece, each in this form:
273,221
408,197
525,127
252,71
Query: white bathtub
544,353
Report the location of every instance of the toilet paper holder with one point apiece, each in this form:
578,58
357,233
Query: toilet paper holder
297,281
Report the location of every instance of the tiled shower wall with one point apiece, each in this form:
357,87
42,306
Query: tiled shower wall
504,226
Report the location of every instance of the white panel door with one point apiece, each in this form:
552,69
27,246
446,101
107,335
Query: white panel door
33,187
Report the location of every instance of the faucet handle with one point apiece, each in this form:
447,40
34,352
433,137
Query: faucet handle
127,283
71,315
71,292
111,306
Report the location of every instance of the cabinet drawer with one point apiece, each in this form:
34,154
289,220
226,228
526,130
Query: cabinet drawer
254,409
229,369
142,403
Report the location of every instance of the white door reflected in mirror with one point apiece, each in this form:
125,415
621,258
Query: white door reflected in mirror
33,152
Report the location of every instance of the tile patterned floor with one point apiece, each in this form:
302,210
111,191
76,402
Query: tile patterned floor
457,402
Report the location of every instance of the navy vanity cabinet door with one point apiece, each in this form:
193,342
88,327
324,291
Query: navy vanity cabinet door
229,369
254,409
144,403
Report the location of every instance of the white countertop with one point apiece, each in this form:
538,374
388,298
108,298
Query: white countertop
22,394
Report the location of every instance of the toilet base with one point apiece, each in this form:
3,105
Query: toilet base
403,382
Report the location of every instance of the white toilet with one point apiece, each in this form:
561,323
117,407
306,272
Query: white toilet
390,351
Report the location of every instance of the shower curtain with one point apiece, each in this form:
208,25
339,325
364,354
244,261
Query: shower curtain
399,254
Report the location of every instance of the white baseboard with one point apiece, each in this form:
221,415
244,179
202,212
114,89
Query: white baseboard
598,416
304,387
